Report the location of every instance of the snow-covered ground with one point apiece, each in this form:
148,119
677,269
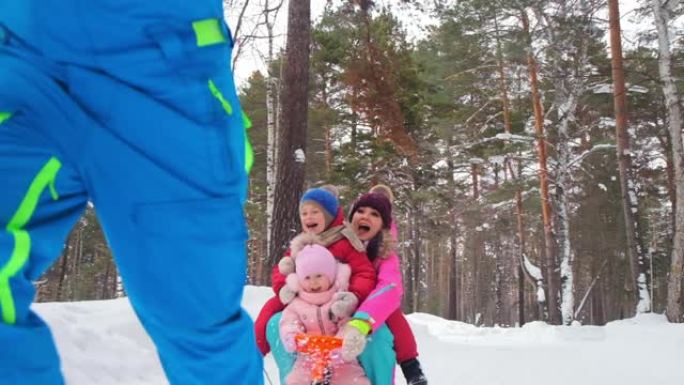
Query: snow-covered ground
102,343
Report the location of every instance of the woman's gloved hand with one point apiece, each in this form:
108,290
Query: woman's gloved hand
354,334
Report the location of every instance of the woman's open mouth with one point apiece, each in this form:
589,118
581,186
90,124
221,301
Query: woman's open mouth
363,228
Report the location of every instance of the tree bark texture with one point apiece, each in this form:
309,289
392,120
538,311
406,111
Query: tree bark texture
630,206
675,287
293,128
551,265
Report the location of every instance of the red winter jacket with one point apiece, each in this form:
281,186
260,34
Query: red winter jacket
361,283
363,276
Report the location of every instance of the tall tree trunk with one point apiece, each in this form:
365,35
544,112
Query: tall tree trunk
456,294
521,255
568,91
569,86
328,151
566,254
293,126
405,250
675,287
525,266
511,265
551,266
417,259
444,275
598,308
354,123
454,276
260,247
272,129
327,129
63,272
502,81
476,239
521,296
409,271
630,205
104,290
473,177
666,143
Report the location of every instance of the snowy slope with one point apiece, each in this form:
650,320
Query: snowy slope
102,343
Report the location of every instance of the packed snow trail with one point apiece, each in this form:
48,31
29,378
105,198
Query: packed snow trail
102,343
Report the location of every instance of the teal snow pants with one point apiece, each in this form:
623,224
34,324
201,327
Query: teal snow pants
129,104
378,358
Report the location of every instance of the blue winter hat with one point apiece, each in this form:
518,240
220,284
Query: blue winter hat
323,198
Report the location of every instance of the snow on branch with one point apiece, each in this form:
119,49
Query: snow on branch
598,147
536,274
471,117
515,138
511,202
607,88
534,271
500,136
485,125
470,70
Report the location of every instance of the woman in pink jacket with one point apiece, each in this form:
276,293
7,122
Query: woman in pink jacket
371,219
317,277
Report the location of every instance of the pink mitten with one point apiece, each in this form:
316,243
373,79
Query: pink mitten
343,306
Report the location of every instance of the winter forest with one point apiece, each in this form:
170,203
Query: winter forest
535,150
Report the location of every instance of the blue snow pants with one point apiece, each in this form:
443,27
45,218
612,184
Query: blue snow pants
378,358
129,104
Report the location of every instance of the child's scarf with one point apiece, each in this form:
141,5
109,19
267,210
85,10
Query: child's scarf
336,233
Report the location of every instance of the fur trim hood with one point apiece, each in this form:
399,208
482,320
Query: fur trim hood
303,239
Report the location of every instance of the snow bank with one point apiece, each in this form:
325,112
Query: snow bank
102,343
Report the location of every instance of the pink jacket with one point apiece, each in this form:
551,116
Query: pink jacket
386,297
302,317
308,312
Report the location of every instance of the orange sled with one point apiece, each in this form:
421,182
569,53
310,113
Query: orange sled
319,349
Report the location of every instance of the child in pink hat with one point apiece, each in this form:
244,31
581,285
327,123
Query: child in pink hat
317,277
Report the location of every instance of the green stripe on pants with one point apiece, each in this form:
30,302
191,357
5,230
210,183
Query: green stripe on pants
22,240
4,116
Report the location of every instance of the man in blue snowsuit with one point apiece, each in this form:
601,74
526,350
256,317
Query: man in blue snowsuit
129,104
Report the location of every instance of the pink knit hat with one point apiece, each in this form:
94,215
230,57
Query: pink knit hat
315,259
